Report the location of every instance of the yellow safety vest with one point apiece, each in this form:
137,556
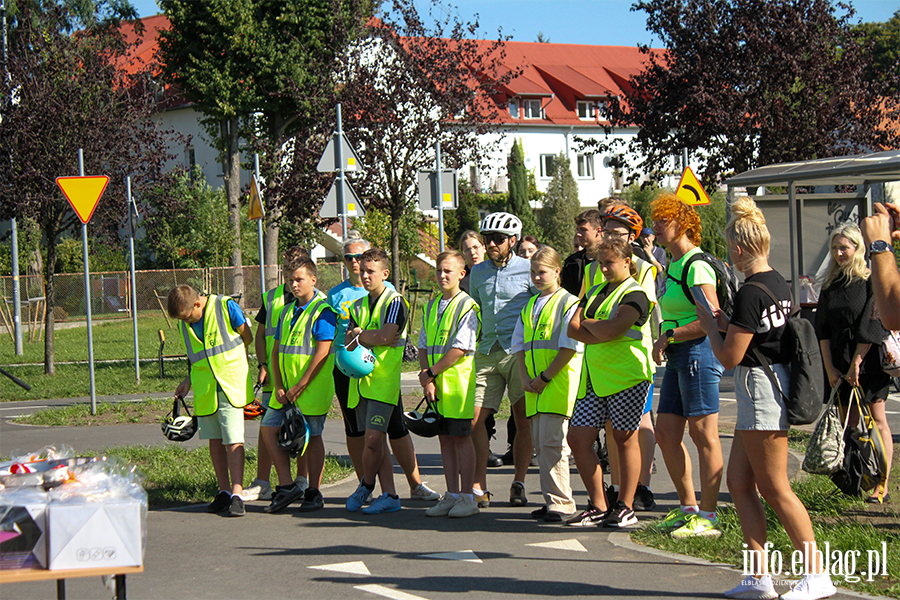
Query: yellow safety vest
622,363
274,303
455,387
541,337
382,384
646,276
295,351
220,359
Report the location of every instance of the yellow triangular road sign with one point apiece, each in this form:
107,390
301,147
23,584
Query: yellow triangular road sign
689,189
83,193
255,210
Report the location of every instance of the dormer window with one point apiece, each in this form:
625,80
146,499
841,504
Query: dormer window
531,109
586,110
603,110
514,109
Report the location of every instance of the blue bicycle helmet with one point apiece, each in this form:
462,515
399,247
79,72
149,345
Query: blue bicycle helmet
356,363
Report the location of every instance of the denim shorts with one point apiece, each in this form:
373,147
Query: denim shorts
760,406
690,386
274,417
648,405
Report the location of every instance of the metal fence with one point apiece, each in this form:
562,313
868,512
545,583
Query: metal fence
110,292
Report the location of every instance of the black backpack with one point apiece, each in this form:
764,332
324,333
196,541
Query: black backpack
807,385
726,282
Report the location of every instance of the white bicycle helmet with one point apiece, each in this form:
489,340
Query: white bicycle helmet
502,222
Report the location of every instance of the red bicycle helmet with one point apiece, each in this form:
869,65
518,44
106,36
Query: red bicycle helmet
627,216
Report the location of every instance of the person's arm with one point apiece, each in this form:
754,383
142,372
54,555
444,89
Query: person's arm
830,370
859,353
577,332
731,350
246,334
261,357
884,224
184,387
277,382
524,377
559,361
612,329
647,245
323,347
690,331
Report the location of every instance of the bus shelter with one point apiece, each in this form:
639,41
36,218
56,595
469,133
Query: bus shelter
804,201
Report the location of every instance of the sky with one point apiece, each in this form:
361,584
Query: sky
595,22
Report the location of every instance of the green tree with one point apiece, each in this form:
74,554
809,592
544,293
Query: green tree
885,39
72,93
519,197
561,206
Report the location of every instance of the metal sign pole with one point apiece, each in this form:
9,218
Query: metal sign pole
17,297
440,195
259,231
339,150
87,296
132,214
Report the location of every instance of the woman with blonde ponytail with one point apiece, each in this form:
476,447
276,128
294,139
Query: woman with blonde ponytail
758,461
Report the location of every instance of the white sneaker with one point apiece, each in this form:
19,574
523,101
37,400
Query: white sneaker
442,508
302,482
423,492
811,587
464,507
752,588
258,490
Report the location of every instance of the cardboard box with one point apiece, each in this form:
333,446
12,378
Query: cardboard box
94,534
23,540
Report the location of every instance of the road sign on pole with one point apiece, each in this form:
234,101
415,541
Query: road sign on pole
331,159
255,210
689,189
83,193
428,190
354,207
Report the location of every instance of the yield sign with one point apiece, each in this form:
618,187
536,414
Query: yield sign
329,161
352,206
255,210
689,189
83,193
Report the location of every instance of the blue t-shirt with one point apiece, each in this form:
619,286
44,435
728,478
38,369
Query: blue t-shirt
235,314
341,298
323,328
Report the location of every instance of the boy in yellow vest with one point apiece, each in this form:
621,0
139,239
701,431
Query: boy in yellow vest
447,343
301,372
377,321
216,336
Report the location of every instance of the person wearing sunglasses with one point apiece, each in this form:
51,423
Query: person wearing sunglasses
341,298
502,287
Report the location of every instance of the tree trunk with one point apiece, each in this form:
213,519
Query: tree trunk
231,167
49,320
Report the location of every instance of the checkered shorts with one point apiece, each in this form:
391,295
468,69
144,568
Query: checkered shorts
624,408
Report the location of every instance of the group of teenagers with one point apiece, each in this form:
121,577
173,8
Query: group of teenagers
571,364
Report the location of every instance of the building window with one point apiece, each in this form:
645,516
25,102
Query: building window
586,166
531,109
603,110
548,165
586,111
514,109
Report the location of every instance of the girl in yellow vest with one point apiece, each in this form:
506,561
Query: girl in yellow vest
613,321
549,364
447,343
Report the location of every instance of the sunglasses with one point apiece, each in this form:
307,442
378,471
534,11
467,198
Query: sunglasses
352,257
495,238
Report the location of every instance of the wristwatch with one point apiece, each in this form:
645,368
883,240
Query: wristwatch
669,334
261,365
879,246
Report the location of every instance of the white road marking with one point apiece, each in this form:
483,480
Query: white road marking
463,555
356,567
572,545
387,592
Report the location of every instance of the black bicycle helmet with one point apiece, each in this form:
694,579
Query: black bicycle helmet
177,427
426,423
293,437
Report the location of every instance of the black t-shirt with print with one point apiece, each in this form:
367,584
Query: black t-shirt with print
636,300
755,311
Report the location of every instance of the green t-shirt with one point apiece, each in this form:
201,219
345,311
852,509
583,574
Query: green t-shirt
677,310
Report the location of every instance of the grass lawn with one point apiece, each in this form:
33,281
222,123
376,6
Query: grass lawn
847,524
177,476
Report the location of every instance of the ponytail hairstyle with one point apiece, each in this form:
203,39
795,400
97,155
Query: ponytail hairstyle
547,257
747,227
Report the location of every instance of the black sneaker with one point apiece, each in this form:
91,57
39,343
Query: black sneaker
539,513
620,516
312,500
284,496
643,499
589,517
221,502
556,517
507,458
612,496
494,461
237,507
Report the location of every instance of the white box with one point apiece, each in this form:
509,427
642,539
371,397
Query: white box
94,534
23,535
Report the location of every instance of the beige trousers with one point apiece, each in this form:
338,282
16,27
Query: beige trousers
548,433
